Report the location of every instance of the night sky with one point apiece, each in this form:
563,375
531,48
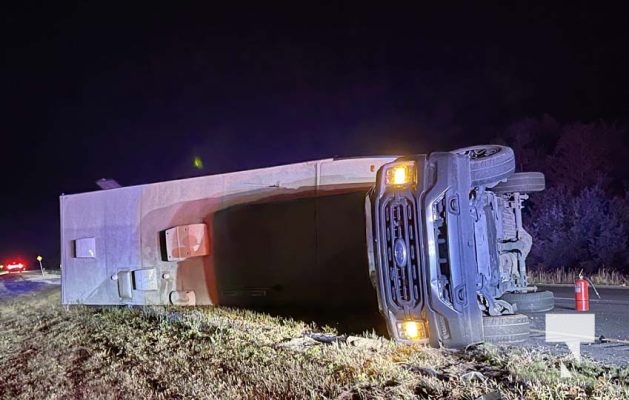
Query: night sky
104,90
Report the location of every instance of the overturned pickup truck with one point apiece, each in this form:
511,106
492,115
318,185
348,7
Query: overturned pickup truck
445,245
447,249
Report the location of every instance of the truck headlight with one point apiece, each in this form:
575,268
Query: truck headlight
413,330
401,174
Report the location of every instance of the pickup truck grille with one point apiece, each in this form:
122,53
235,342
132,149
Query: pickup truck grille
401,269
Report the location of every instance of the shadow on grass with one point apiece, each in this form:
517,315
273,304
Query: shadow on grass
348,321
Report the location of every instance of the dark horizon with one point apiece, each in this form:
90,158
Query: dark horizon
135,93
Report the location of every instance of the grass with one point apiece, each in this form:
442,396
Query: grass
604,276
221,353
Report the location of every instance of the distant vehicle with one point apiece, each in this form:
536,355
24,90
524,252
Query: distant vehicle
15,266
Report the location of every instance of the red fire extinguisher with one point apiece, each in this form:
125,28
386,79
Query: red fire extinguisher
581,296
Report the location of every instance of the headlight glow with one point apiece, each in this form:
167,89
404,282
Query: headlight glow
401,174
413,330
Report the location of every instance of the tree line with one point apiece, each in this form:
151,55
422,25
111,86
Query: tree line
582,218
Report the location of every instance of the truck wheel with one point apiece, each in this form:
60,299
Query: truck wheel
489,164
506,328
523,182
532,301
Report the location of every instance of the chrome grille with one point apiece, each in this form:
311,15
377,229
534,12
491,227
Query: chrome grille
402,277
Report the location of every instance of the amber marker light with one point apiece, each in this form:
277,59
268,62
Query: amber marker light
401,174
413,330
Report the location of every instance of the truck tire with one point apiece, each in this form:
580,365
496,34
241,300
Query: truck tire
523,182
532,301
489,164
506,328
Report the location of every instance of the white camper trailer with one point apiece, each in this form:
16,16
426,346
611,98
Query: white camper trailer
291,234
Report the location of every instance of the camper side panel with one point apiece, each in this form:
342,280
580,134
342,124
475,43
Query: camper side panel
100,237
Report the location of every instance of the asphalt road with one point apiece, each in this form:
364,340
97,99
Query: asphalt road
13,285
611,314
